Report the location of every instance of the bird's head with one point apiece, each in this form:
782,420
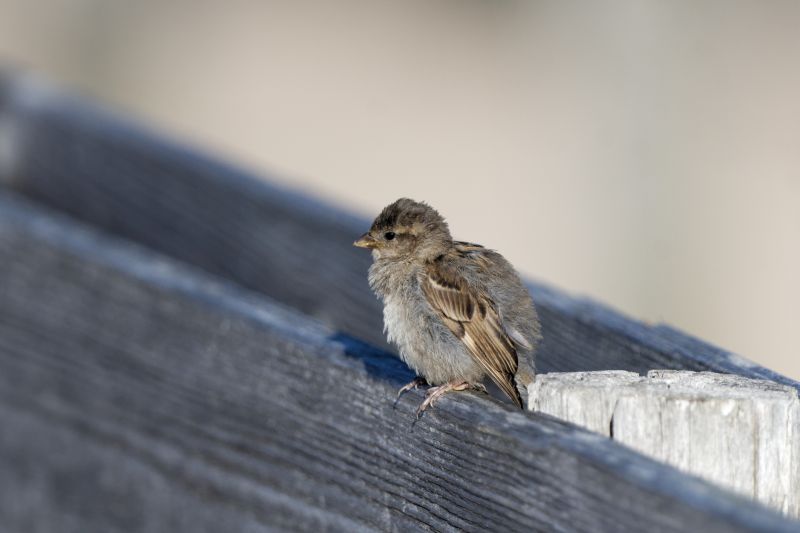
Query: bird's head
407,229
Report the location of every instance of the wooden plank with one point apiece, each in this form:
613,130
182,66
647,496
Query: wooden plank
587,399
75,157
738,432
137,393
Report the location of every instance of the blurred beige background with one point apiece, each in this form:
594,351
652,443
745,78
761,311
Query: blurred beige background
645,153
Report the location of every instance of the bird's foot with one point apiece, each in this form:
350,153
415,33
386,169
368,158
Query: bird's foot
480,387
416,382
434,393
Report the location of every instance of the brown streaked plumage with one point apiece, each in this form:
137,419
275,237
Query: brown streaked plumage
470,314
456,311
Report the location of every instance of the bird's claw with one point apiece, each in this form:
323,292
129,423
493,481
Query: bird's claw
434,393
416,382
480,387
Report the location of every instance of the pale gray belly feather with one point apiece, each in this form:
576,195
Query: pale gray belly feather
425,343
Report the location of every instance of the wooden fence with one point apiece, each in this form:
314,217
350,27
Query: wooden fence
184,347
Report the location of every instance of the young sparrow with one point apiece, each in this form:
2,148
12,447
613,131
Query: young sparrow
456,311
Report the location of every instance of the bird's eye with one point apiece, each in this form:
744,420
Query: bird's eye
389,235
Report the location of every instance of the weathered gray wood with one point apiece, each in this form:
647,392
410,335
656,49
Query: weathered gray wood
741,433
139,394
82,160
587,399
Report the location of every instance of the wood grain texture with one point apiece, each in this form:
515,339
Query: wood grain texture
587,399
84,161
137,393
740,433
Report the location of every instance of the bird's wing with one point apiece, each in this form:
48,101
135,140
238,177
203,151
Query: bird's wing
472,317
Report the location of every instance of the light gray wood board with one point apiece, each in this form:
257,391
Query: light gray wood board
98,167
738,432
137,393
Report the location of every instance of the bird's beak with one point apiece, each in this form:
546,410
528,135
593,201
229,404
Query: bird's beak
366,241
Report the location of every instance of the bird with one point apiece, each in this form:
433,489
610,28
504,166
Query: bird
456,311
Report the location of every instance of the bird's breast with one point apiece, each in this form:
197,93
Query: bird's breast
423,341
